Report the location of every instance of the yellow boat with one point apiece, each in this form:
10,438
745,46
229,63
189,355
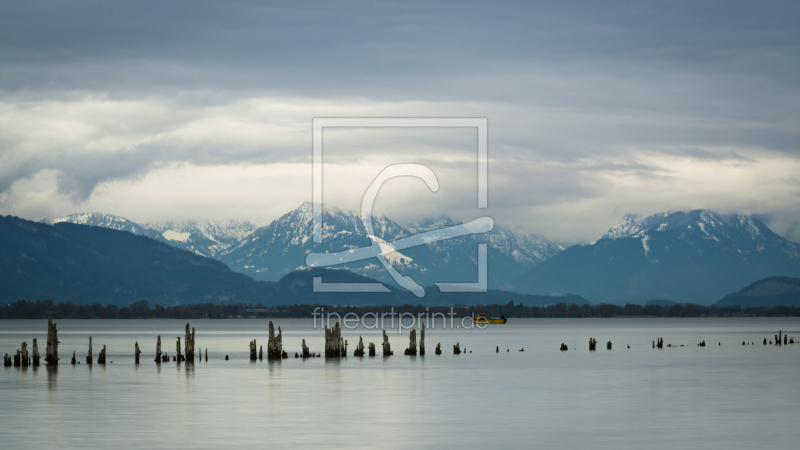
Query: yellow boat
484,318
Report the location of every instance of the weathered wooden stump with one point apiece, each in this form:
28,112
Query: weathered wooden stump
660,343
7,361
51,353
359,348
188,348
412,344
608,346
387,349
74,360
275,343
136,352
422,340
17,360
206,354
253,350
438,350
592,344
24,354
371,348
765,341
306,353
179,356
564,347
702,344
777,340
226,357
334,344
101,358
89,356
497,349
457,348
785,341
260,352
158,350
35,353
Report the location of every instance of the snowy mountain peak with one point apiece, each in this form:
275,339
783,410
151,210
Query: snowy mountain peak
429,224
96,219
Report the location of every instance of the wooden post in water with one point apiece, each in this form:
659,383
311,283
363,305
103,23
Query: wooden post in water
136,352
359,348
457,348
422,340
305,353
74,361
24,354
371,347
51,353
7,361
35,353
387,349
179,356
608,346
158,350
334,344
412,344
438,350
275,343
188,344
592,344
101,358
89,356
253,354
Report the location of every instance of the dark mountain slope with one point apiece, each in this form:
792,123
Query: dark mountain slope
696,257
772,291
68,262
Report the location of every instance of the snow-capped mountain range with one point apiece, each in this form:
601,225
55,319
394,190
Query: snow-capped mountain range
270,252
281,247
203,237
687,256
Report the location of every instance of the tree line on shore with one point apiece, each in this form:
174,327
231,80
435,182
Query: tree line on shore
42,309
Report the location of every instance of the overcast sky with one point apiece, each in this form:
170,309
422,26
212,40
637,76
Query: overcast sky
202,110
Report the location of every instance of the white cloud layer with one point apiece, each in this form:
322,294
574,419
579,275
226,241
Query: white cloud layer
203,110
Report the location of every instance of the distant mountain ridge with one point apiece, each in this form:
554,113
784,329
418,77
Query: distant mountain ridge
696,257
93,264
281,247
272,251
203,237
772,291
83,264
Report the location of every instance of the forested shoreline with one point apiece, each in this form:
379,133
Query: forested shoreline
42,309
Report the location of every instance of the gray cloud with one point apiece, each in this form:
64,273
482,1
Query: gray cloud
588,103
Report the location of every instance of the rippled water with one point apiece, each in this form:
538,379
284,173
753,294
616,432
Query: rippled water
728,396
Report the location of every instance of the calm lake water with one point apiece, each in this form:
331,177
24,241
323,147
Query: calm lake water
729,396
